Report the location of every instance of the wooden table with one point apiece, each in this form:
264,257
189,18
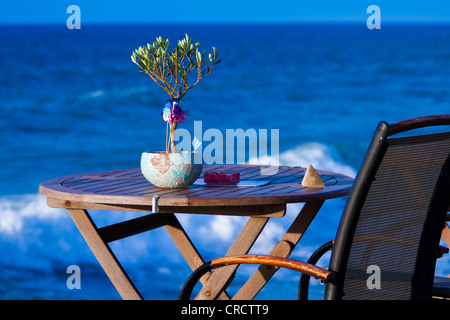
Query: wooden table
128,190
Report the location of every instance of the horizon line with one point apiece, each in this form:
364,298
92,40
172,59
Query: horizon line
244,22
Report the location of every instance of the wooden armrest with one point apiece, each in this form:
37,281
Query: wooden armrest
310,269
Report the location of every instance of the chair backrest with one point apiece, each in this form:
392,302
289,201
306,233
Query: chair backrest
388,237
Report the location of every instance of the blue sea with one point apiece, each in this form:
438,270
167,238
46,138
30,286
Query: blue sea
71,101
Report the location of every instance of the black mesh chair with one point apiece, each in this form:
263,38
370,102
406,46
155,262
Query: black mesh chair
387,242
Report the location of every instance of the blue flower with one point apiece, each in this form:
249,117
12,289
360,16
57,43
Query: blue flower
172,111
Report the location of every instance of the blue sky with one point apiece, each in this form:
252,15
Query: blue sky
157,11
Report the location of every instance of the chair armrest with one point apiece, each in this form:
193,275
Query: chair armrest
319,273
307,268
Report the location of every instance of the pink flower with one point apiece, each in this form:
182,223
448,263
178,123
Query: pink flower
172,111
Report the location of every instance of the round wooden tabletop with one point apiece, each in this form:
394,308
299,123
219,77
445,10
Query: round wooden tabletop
129,187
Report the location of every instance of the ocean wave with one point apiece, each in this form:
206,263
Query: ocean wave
16,209
319,155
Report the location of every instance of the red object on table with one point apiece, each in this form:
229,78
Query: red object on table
222,178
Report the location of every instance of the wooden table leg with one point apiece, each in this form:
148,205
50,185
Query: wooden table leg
187,248
183,242
283,249
104,255
220,277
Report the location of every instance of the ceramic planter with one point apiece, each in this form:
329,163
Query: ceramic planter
170,170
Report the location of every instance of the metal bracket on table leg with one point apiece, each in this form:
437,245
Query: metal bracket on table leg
155,204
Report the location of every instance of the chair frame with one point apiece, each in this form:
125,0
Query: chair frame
422,282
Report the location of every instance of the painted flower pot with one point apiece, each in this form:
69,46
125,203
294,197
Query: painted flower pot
170,170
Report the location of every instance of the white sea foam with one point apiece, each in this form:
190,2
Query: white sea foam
317,154
97,93
15,210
